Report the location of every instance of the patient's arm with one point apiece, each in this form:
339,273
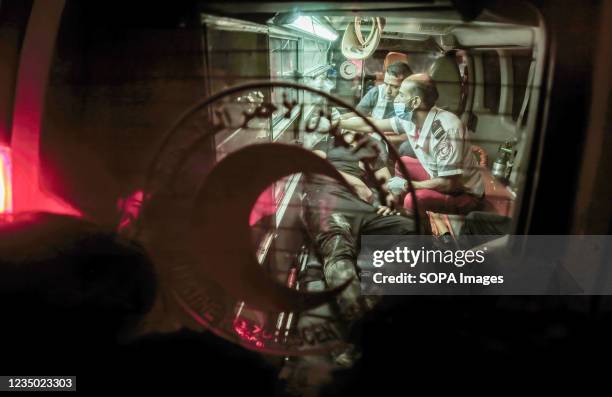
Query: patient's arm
447,184
320,153
362,190
396,139
383,175
348,115
359,124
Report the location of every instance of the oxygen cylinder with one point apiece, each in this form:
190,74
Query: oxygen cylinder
499,167
501,163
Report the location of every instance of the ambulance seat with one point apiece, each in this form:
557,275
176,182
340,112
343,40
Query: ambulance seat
391,57
497,200
445,72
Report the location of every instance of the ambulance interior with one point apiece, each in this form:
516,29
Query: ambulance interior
115,114
487,72
126,81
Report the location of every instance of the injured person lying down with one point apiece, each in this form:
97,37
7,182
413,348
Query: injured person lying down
336,217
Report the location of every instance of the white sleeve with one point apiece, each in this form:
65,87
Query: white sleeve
448,152
400,126
394,125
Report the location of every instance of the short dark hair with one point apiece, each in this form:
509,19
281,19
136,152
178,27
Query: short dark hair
399,69
426,90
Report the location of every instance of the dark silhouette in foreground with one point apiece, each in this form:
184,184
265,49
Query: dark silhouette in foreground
71,296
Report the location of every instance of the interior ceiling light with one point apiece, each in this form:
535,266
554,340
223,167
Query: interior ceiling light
314,27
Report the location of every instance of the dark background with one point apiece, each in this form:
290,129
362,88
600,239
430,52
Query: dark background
436,342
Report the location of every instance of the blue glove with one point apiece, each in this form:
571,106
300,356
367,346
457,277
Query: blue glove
397,185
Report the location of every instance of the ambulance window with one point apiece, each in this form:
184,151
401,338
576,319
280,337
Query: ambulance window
492,80
13,21
462,63
314,65
520,73
314,55
461,57
283,66
235,57
276,60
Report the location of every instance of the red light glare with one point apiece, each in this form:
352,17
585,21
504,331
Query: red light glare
265,206
251,333
6,187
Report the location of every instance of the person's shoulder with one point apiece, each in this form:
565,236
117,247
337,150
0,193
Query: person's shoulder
368,101
375,88
448,120
372,92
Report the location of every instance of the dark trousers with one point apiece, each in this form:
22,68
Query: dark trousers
485,223
336,219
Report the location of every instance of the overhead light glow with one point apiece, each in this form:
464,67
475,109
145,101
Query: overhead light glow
6,196
314,27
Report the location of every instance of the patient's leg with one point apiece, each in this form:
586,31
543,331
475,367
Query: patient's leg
338,248
388,225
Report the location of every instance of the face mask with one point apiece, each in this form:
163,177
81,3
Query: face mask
401,111
399,108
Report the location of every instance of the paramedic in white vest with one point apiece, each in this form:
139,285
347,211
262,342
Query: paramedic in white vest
378,101
437,153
